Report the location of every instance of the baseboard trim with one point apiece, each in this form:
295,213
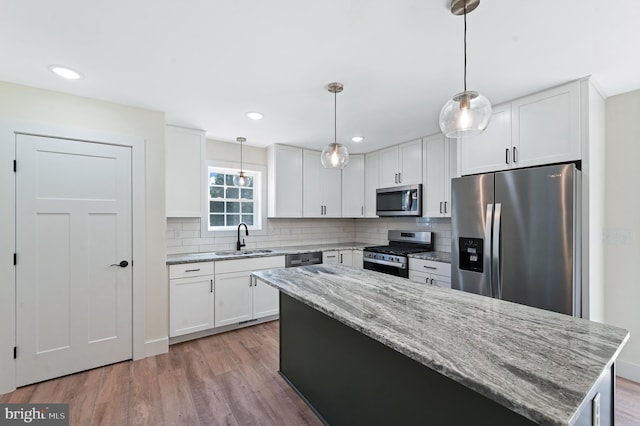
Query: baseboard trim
156,347
628,370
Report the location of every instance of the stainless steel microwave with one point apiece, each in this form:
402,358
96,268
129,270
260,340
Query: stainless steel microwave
399,201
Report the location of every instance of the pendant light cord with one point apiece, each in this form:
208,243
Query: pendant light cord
335,117
465,45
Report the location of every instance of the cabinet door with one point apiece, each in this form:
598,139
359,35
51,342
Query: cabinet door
331,182
184,156
312,203
441,281
284,183
436,168
233,298
371,182
266,300
419,277
451,171
191,305
353,187
546,126
410,162
389,167
491,150
358,259
346,257
330,257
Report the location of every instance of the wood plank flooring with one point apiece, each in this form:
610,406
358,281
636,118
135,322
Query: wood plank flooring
227,379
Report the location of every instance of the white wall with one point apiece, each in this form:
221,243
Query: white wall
38,106
622,225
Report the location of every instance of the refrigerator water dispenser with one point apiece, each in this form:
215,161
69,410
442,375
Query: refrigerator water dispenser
471,254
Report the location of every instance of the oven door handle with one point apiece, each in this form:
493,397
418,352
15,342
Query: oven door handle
386,262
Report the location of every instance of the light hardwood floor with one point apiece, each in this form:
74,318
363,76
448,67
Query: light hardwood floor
227,379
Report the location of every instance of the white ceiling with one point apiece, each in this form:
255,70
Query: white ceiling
208,62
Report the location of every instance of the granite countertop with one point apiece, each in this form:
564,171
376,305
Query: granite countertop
174,259
538,363
437,256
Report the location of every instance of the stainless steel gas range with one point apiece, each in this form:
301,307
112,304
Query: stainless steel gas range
392,259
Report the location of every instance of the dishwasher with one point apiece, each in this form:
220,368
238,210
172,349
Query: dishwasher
302,259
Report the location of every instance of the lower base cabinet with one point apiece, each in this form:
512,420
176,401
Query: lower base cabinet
240,297
191,298
342,257
430,272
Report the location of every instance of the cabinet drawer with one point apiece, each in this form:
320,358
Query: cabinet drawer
249,264
185,270
430,266
330,256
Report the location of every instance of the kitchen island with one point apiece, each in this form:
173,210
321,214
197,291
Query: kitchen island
368,348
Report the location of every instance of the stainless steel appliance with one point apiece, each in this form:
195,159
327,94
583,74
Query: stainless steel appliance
516,236
399,201
302,259
392,259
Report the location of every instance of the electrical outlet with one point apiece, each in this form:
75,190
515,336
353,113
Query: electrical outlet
595,410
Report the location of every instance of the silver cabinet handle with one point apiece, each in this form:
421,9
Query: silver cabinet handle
395,178
399,177
211,286
445,206
430,267
340,257
515,157
192,270
440,206
506,158
431,282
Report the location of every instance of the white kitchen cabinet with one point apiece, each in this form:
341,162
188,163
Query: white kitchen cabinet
284,183
331,257
401,164
358,259
371,182
239,297
546,126
430,272
353,187
440,167
184,161
542,128
191,296
489,151
322,188
345,257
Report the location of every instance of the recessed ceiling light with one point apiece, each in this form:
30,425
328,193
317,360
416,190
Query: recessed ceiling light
357,138
254,115
65,72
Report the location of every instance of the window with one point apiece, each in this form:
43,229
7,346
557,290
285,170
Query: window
229,203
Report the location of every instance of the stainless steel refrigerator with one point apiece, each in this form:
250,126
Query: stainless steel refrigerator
516,236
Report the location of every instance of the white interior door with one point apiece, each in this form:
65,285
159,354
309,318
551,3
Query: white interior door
73,222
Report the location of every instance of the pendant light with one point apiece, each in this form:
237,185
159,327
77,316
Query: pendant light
467,113
335,155
240,180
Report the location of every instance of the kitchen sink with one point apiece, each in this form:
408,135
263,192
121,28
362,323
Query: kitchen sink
241,252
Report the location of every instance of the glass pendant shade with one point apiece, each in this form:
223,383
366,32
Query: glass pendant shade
239,180
334,156
466,114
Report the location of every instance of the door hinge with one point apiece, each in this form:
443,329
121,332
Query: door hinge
15,166
15,352
15,258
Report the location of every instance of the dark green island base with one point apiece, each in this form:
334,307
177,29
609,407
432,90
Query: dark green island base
348,378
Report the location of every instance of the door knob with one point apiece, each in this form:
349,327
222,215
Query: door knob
122,264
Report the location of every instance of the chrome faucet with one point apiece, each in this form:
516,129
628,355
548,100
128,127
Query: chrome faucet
239,244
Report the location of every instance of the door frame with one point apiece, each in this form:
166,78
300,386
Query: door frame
8,134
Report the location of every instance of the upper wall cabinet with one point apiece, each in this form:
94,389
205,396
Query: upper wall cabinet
401,164
284,186
371,182
184,157
353,187
322,188
440,168
542,128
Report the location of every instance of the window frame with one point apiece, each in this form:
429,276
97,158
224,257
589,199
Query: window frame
259,194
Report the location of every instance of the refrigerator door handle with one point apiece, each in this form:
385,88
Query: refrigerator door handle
495,252
487,246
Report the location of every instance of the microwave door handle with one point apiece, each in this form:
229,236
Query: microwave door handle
407,201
